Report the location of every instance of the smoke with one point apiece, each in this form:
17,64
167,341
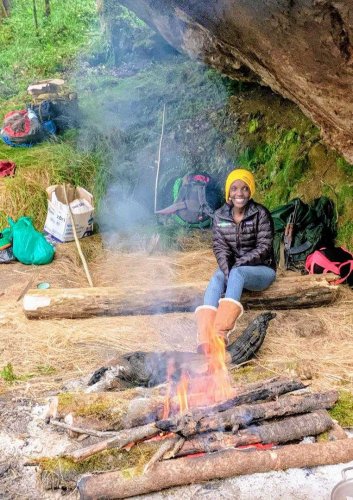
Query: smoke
123,113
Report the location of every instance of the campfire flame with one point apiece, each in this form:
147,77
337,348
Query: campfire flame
202,390
182,392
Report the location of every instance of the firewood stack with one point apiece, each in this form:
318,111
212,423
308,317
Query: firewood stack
134,448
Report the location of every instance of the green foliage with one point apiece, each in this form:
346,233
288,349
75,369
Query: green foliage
344,165
343,409
7,374
27,55
195,113
253,125
279,164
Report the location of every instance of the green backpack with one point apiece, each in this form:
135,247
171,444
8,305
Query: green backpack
301,228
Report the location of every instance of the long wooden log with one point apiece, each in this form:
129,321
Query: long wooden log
282,431
219,465
241,416
285,293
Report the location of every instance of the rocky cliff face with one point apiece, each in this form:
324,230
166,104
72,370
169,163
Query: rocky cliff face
300,48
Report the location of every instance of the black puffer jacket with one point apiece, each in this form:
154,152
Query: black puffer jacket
248,243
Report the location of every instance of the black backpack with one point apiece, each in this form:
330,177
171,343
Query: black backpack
196,197
301,228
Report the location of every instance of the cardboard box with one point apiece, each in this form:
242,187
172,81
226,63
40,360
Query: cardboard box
58,221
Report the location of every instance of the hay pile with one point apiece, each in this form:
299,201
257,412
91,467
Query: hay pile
315,344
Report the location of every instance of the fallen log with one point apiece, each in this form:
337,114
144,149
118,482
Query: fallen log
286,293
282,431
241,416
219,465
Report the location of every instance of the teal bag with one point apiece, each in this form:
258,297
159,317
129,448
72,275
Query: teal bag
29,245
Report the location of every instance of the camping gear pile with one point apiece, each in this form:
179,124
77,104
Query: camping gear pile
53,109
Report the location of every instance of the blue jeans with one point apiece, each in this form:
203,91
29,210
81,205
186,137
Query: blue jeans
253,278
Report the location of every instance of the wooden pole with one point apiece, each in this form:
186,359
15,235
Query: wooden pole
159,162
77,241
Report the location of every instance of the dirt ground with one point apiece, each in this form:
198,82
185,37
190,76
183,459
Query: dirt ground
42,355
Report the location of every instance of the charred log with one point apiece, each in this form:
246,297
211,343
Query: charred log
241,416
151,368
250,341
282,431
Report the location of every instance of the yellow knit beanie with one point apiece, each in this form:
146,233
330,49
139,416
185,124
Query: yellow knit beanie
240,174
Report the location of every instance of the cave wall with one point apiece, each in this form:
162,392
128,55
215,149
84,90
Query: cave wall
300,48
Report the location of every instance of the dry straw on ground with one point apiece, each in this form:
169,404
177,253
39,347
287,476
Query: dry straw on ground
315,344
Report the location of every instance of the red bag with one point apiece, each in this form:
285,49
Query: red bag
7,168
336,260
22,127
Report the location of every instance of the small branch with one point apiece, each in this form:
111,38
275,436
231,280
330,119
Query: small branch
80,430
172,453
120,440
167,446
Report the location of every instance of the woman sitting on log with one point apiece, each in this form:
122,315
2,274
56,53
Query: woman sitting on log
242,244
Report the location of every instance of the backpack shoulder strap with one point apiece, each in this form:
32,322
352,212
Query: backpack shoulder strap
204,206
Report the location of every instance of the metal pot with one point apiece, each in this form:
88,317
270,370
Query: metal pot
344,489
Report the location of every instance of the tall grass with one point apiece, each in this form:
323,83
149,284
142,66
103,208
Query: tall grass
43,165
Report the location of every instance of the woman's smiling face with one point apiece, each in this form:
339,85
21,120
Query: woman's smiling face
239,193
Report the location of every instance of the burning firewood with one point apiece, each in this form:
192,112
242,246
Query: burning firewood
151,368
281,431
65,471
139,406
242,416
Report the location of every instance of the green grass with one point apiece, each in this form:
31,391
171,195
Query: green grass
7,374
27,55
343,409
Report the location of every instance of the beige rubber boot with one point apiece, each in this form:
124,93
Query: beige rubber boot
229,310
205,316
